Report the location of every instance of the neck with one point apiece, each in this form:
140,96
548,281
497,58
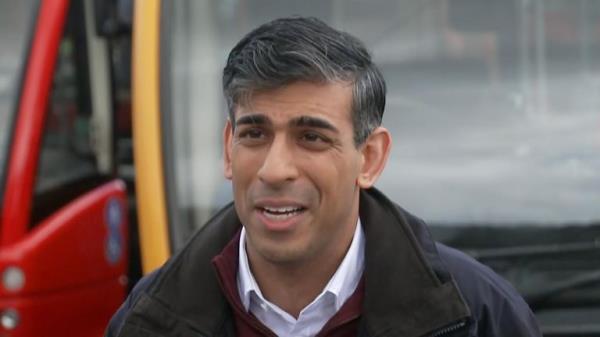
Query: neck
293,286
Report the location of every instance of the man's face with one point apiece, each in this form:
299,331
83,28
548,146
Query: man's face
294,167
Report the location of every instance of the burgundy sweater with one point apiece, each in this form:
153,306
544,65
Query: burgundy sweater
343,323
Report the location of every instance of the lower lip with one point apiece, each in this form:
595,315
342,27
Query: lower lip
282,224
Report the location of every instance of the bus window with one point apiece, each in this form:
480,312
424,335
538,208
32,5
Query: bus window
16,21
67,164
493,107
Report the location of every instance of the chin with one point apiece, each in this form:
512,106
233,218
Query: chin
282,256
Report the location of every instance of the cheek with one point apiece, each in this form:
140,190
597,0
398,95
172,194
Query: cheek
245,167
244,163
347,169
335,175
242,166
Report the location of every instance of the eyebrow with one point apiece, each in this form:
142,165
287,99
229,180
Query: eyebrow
255,119
302,121
314,122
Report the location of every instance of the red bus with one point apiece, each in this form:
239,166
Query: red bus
64,212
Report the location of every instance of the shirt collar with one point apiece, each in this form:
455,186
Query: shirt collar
341,285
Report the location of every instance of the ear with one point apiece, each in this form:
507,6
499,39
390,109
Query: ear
227,144
375,152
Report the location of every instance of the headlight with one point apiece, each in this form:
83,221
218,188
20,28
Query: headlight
9,319
13,279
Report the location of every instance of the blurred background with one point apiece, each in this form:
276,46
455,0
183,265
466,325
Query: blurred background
493,105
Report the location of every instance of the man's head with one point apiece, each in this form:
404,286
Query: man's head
305,49
303,138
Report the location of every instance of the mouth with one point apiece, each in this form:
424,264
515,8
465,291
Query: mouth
281,213
281,217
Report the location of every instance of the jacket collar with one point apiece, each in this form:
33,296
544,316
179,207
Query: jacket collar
407,293
404,296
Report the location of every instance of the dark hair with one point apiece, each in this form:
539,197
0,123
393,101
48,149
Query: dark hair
294,49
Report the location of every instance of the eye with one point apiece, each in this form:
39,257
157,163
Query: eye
314,141
312,137
252,136
251,133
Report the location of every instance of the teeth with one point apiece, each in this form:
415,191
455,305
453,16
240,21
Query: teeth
279,216
281,209
280,213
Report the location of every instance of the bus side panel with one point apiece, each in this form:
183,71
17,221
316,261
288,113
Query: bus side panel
78,312
74,267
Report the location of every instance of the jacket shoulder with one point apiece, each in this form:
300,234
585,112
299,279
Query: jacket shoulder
496,306
142,286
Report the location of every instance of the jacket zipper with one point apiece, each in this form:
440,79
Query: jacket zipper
449,329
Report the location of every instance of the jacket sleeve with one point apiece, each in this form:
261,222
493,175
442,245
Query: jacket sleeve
116,322
507,317
497,309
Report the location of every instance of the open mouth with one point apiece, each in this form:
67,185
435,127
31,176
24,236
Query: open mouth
281,213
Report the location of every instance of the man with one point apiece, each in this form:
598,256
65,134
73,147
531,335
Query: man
309,247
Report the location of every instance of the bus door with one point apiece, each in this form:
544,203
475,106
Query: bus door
63,225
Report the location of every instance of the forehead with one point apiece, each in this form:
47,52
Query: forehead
332,101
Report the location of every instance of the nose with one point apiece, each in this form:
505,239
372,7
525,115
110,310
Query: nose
278,165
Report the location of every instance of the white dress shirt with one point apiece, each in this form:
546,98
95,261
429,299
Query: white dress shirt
315,315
